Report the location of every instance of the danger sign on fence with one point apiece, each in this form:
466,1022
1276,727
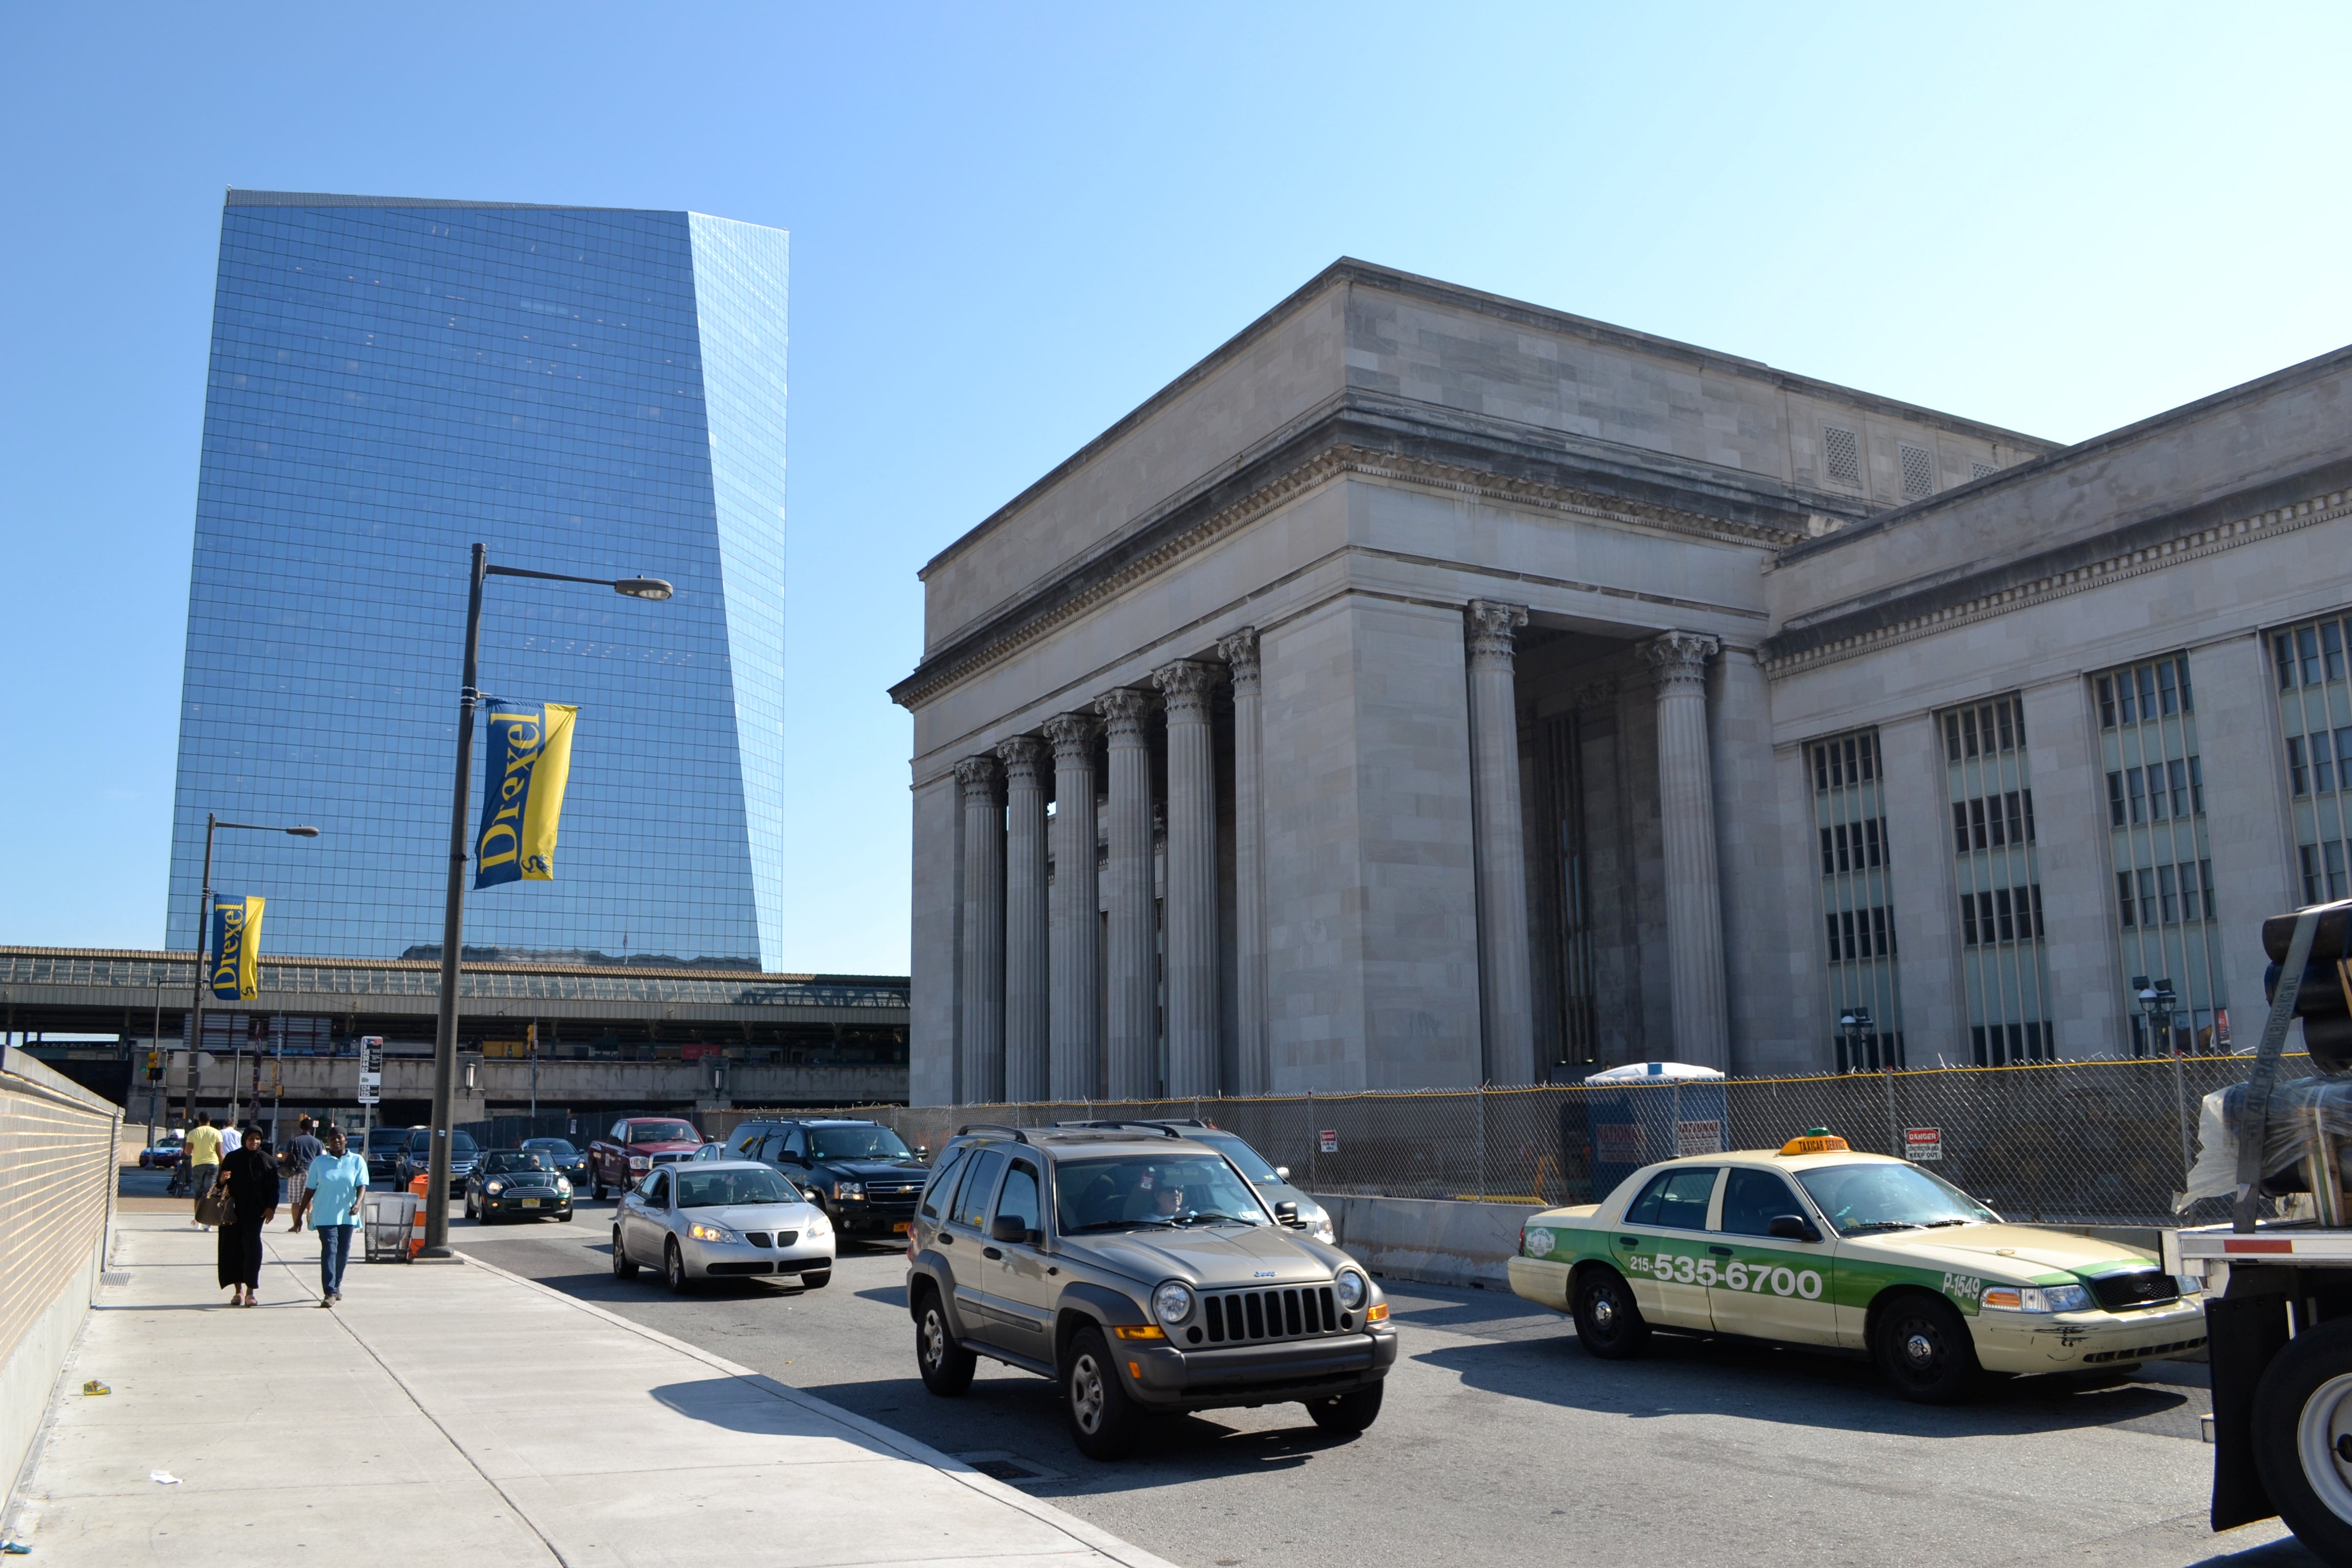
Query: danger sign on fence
1327,1140
1923,1142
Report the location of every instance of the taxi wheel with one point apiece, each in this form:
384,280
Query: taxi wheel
1104,1422
1608,1324
674,1269
947,1367
622,1268
2303,1438
1923,1348
1348,1412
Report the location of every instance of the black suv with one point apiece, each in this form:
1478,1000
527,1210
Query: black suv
415,1156
860,1172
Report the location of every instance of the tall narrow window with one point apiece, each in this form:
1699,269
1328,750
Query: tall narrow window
1988,786
2164,921
1858,915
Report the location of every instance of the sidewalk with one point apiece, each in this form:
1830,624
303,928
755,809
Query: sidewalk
454,1412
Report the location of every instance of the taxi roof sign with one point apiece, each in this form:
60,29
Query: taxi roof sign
1815,1141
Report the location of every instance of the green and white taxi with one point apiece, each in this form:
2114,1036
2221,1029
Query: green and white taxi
1816,1244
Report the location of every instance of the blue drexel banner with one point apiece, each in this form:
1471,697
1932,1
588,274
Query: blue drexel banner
236,948
528,764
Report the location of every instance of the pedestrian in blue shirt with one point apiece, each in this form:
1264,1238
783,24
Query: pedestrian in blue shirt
337,1184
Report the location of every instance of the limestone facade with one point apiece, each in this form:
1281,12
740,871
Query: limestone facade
1429,688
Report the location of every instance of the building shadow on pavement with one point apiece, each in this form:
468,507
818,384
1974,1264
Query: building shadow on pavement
1694,1376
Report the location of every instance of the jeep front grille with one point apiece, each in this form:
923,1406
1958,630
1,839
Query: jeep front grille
1287,1313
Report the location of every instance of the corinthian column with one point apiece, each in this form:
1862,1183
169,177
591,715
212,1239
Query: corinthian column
1185,686
980,1079
1240,653
1024,920
1505,1002
1686,814
1132,956
1074,1027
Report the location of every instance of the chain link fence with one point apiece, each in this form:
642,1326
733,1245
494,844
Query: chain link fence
2086,1143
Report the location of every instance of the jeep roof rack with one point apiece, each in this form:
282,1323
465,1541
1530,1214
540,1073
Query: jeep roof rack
968,1128
1165,1128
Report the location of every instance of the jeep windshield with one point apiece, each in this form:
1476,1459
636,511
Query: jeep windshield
1141,1191
857,1144
1861,1199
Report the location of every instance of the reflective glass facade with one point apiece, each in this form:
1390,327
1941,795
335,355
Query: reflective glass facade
588,390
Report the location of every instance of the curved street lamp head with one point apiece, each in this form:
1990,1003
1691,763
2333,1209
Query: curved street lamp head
303,832
652,588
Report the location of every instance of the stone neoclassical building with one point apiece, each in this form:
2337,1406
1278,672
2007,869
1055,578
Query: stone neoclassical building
1430,689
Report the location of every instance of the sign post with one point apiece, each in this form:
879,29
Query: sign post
370,1084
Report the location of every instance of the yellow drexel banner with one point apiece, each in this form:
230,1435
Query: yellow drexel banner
236,948
529,759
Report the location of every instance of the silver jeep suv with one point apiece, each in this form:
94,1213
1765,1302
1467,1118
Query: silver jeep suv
1139,1270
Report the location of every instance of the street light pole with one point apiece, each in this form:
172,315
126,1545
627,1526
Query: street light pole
195,1025
1855,1024
453,904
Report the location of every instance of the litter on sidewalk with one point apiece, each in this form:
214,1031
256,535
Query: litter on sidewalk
163,1477
94,1386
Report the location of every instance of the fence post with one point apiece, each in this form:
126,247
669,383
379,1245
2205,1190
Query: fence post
1482,1144
2180,1114
1313,1142
1894,1128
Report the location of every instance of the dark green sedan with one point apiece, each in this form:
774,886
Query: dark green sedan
517,1184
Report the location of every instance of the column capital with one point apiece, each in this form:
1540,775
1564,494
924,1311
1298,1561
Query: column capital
1123,713
1072,735
1240,653
1678,659
1489,627
976,774
1185,686
1021,756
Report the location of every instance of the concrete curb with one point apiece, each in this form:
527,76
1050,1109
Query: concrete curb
1076,1528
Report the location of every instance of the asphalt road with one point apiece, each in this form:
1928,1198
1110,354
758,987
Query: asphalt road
1501,1442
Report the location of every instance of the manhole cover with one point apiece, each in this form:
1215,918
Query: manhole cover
1001,1466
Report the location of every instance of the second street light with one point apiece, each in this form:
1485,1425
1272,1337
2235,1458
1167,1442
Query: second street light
453,914
195,1024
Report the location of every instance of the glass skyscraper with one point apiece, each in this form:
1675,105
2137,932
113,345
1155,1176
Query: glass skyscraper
592,390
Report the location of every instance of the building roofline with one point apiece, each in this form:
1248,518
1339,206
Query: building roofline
2093,446
1348,270
238,198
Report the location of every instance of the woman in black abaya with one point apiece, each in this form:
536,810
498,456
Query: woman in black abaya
251,1178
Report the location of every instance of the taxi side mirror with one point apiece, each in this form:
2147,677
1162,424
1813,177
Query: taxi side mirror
1792,1227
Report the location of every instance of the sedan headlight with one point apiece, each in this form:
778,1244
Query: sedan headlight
816,1224
2037,1297
1172,1301
1351,1288
701,1232
493,1188
850,1191
562,1185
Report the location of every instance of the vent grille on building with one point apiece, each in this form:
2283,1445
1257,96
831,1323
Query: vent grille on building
1978,470
1918,472
1842,452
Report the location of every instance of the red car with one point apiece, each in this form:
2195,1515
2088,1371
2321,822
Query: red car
636,1145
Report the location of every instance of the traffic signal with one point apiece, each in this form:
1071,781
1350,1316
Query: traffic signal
2324,999
154,1066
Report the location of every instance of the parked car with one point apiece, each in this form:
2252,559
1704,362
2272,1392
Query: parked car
863,1175
634,1146
1140,1272
1272,1181
383,1152
164,1154
704,1219
516,1184
563,1157
417,1153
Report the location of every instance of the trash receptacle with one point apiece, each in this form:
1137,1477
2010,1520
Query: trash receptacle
388,1221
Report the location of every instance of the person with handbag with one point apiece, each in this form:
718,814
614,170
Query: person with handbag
248,1184
202,1154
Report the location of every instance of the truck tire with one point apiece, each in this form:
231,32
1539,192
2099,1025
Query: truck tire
947,1367
2303,1438
1922,1346
1608,1324
600,1189
1104,1422
1348,1412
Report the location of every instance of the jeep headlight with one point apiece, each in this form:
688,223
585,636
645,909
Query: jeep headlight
2037,1297
494,1187
1353,1290
1172,1301
701,1232
1319,1229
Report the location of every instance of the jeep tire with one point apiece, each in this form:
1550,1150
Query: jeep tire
1104,1422
947,1367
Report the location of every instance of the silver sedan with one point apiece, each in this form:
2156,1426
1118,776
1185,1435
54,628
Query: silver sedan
720,1220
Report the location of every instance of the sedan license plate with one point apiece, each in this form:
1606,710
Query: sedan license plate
531,1203
900,1229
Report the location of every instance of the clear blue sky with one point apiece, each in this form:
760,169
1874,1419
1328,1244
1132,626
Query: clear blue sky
1010,226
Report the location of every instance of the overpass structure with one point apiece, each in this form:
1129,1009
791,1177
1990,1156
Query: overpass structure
591,1037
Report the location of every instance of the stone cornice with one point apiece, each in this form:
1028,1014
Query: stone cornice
1885,627
1320,457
